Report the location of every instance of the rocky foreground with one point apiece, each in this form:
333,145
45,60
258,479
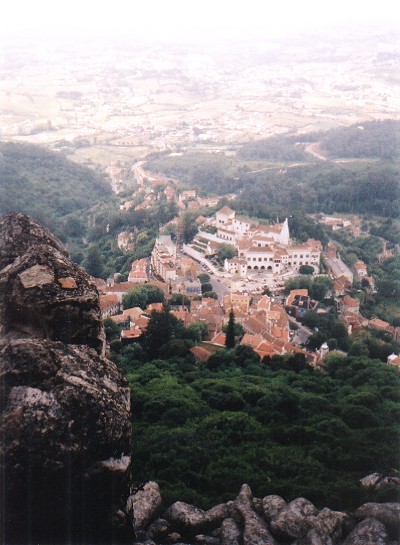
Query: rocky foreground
65,423
266,521
65,430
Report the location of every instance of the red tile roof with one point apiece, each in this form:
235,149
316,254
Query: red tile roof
219,339
200,353
108,301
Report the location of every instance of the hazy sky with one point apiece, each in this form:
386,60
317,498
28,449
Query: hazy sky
184,18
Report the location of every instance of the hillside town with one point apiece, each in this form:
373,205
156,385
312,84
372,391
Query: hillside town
250,284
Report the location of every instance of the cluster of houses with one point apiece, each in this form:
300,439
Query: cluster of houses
265,323
343,276
259,247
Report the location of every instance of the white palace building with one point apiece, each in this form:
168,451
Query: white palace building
259,247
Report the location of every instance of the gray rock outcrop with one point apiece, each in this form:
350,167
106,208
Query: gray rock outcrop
190,520
65,409
368,532
230,532
43,294
293,519
239,523
144,505
387,513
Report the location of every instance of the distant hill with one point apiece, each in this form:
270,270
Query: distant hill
369,140
275,148
373,140
48,186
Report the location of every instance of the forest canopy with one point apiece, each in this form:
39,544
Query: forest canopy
201,431
47,186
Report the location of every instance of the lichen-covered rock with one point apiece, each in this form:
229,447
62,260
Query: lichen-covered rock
323,529
19,232
255,531
379,481
313,537
230,533
65,409
159,530
201,539
192,521
144,505
368,532
45,295
66,432
245,495
186,516
271,505
293,520
387,513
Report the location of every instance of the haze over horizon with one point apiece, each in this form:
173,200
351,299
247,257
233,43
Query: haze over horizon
178,20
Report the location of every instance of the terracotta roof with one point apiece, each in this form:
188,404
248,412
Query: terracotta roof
349,302
293,293
131,333
99,283
180,314
313,244
132,312
141,322
119,318
251,340
277,228
264,303
158,307
138,274
200,353
226,210
379,324
219,339
108,301
122,287
243,244
260,250
254,325
265,349
344,280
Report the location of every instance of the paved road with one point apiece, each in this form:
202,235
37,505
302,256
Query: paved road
219,288
301,334
138,172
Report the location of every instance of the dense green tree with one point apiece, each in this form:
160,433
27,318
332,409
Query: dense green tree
320,287
112,329
206,286
239,331
200,431
94,262
230,331
225,251
179,299
306,269
198,331
187,227
160,329
211,294
142,296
